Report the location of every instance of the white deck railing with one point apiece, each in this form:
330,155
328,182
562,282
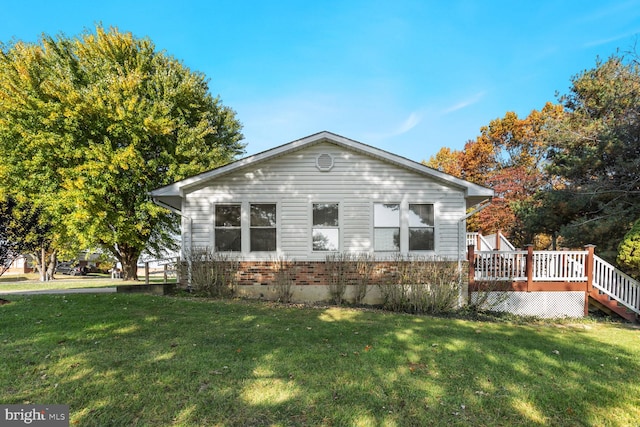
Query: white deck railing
558,266
548,266
616,284
489,243
501,240
494,265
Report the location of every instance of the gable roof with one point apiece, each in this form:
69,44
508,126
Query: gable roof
171,195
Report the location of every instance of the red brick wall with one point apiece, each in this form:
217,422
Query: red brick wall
306,273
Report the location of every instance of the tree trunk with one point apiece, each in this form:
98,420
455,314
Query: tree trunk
43,265
46,268
53,260
129,260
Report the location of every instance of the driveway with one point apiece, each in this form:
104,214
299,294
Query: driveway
110,290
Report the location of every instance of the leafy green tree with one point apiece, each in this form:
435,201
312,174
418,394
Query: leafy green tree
25,230
8,249
546,214
89,125
629,251
595,149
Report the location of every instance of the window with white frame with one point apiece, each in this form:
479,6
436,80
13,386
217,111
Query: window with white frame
228,230
386,226
262,228
326,227
421,227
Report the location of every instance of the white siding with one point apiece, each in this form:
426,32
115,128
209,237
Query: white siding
356,181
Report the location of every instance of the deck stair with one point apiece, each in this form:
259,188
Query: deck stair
610,306
615,290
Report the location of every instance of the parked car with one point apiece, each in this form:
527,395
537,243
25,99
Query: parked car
70,269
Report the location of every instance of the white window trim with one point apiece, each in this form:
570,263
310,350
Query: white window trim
435,227
373,228
339,227
404,227
277,227
245,227
213,229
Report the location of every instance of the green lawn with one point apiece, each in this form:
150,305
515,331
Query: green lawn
126,360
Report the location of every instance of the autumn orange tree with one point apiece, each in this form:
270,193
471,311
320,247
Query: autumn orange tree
508,156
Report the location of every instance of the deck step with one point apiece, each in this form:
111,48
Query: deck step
611,306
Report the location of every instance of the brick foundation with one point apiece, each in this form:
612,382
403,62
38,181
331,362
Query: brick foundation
309,273
311,279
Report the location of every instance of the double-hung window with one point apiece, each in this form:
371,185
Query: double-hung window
421,227
228,231
326,227
386,226
395,223
262,227
258,232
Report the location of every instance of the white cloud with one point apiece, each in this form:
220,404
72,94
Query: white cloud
601,42
465,103
411,122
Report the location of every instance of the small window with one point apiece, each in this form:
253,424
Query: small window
227,228
263,227
326,227
386,226
421,227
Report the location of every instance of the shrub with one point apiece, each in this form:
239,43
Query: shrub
364,266
338,267
212,274
284,276
422,285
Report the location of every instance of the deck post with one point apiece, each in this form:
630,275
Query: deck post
529,266
589,273
471,256
498,239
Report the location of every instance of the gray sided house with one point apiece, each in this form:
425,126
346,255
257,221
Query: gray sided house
320,195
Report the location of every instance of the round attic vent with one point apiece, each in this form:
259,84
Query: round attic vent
324,162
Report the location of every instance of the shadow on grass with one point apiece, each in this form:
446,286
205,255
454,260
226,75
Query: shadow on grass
140,360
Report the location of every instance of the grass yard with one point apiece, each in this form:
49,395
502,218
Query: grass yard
127,360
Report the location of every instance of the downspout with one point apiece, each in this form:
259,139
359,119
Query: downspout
474,210
190,226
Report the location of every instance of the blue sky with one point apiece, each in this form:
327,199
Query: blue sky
405,76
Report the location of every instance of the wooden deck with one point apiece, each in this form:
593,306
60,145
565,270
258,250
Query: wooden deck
555,271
